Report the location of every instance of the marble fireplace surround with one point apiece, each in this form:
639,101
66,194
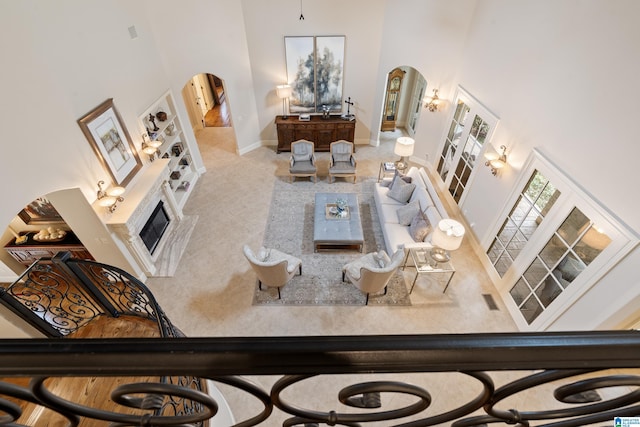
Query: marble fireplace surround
151,187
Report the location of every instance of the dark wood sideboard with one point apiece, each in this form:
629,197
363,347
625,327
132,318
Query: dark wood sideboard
33,250
322,132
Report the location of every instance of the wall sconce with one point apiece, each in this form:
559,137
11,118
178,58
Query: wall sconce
150,148
284,92
404,148
110,198
496,161
432,102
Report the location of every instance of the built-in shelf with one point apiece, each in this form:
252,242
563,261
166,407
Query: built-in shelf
170,132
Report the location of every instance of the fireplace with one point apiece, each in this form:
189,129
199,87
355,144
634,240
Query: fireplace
146,219
155,227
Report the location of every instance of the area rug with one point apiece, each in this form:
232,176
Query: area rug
290,229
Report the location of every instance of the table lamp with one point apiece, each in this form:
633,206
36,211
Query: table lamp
447,236
404,148
284,92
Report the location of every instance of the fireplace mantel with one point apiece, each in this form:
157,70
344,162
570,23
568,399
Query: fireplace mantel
140,199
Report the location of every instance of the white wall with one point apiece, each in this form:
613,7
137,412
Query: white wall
208,36
268,22
62,59
562,76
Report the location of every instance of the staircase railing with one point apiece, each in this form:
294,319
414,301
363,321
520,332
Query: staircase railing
59,295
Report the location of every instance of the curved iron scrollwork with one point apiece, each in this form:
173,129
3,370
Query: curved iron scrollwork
53,297
364,395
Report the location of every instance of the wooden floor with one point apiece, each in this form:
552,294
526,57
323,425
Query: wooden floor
93,392
218,116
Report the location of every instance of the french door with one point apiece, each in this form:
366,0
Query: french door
415,106
553,243
471,126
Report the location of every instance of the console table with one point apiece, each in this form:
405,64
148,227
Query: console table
33,250
322,132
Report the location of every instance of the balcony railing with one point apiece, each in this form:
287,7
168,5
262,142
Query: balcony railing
590,377
564,357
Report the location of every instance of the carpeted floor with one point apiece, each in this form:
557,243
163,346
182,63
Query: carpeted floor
290,229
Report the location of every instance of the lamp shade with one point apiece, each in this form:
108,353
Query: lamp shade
283,91
448,235
404,146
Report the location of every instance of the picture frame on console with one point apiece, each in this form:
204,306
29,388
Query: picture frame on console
104,129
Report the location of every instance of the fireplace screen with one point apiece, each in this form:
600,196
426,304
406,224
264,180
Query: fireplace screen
154,228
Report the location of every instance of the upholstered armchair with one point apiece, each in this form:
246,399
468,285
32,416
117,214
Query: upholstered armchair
372,272
303,160
273,268
342,163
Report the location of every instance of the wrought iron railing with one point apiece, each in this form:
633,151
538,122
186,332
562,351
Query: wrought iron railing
562,358
592,375
60,295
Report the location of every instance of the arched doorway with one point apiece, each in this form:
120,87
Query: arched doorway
404,90
206,101
401,99
209,111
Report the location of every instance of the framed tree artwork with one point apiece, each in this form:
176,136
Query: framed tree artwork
315,72
104,129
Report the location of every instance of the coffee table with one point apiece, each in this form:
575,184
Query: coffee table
334,231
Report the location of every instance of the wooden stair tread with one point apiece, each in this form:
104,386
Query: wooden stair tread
118,327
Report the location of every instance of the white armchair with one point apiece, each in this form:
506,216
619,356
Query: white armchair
342,163
372,272
273,268
303,160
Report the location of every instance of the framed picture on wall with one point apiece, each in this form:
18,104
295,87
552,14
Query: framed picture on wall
40,211
315,72
105,131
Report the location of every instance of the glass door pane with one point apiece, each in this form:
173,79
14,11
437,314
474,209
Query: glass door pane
467,161
453,138
535,201
572,247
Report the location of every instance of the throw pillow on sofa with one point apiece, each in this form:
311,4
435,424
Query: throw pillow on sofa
401,191
400,175
407,212
419,227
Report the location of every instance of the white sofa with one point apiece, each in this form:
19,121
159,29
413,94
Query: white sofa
396,235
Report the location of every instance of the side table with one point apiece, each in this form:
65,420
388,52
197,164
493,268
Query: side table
386,168
423,264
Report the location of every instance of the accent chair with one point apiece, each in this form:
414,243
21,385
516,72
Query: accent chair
302,162
342,163
273,267
371,273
